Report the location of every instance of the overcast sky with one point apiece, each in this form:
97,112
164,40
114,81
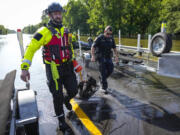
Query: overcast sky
16,14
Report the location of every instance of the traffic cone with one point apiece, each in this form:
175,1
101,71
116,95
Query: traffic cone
77,67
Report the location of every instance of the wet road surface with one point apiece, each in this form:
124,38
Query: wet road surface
138,103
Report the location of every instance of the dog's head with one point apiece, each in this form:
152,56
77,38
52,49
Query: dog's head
86,87
91,81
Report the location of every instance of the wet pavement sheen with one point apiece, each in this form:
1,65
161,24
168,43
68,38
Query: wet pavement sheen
142,103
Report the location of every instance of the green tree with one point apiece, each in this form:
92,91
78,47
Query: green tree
3,30
30,29
33,28
142,16
130,16
171,13
76,16
105,12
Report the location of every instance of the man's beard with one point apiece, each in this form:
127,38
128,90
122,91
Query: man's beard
57,21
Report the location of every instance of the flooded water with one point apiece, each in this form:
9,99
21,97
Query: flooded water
138,103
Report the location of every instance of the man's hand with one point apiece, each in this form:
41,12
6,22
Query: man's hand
93,59
116,56
116,59
25,75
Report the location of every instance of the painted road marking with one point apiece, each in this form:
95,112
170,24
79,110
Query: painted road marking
83,117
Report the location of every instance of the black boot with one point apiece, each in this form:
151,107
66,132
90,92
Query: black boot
103,86
65,128
67,103
105,91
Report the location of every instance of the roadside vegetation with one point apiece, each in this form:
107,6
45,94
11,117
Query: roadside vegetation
4,31
130,16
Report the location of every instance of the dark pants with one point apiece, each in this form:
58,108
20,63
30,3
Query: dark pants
68,80
106,68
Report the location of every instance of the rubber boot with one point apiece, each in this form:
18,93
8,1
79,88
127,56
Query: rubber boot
67,103
65,128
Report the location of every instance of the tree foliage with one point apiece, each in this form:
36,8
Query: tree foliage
76,16
33,28
171,14
3,30
130,16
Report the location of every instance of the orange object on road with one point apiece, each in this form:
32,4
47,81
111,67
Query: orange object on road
77,67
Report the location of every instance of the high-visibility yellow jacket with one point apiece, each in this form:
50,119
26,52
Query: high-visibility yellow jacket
74,38
42,37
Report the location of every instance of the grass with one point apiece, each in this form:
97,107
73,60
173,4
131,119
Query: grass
133,42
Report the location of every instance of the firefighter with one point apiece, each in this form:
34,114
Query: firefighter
101,51
58,58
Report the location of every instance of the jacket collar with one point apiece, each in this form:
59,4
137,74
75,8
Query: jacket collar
59,26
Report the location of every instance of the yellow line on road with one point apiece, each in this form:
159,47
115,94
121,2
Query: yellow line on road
85,119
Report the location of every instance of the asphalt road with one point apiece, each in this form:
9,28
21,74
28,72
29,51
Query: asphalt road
138,103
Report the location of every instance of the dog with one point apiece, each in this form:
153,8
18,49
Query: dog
87,88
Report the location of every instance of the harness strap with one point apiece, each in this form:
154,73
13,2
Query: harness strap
55,73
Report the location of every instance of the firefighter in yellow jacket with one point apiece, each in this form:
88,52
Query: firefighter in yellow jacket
57,56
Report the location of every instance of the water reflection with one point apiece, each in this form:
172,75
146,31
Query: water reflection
3,41
77,124
151,113
97,109
158,83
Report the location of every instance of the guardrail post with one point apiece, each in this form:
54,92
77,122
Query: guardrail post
79,43
149,42
119,40
138,43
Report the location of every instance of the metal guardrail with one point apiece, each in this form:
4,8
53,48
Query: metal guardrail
133,48
147,50
138,48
